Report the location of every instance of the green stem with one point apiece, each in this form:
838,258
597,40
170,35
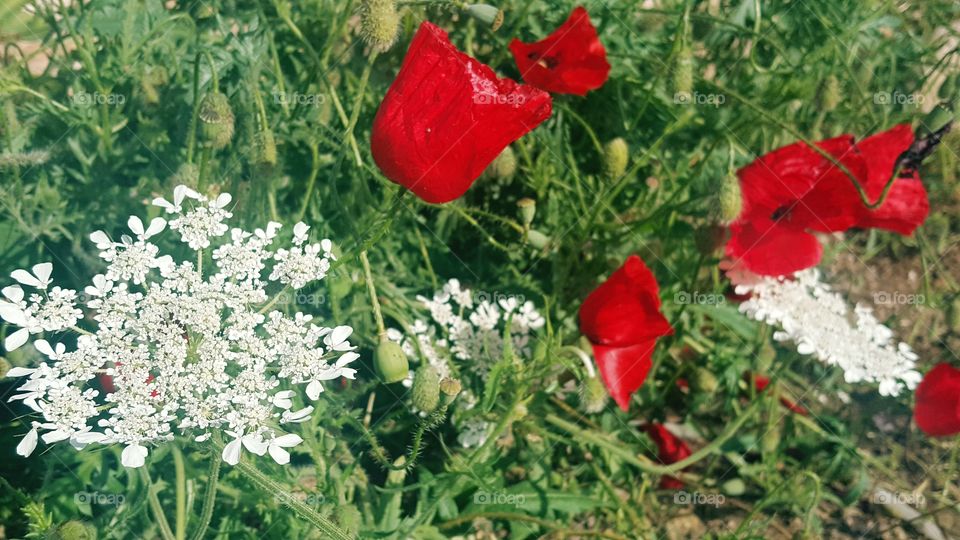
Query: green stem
314,170
210,496
181,518
372,291
155,506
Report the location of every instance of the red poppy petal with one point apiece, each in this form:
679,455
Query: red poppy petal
571,60
937,409
624,369
447,116
625,309
771,249
906,206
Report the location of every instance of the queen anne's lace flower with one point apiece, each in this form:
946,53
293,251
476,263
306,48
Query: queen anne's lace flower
189,352
820,323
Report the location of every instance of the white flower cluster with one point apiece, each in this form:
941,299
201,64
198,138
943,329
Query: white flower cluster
820,323
176,349
464,338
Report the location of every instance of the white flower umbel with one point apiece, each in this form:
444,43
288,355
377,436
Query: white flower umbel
464,339
178,350
820,323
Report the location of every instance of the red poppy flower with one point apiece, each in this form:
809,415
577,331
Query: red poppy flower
622,320
793,192
447,116
571,60
937,411
670,449
762,383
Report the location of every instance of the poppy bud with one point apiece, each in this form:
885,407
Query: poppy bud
704,381
953,315
829,95
734,487
682,72
73,530
730,199
537,239
770,441
426,388
379,23
528,209
449,389
218,120
390,361
765,357
264,151
487,14
187,174
504,165
593,395
348,518
616,157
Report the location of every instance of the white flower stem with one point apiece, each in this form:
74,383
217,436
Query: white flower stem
155,506
181,481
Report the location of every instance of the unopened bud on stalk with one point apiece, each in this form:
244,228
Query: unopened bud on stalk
449,389
771,440
426,388
682,70
616,157
504,165
390,361
217,119
537,239
953,315
486,14
187,174
729,199
73,530
593,396
379,23
704,381
829,95
528,209
264,151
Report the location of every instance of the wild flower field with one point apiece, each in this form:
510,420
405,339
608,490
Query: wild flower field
435,269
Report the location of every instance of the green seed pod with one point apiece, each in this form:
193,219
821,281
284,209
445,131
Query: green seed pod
217,120
426,389
734,487
73,530
729,201
449,390
390,361
770,441
537,239
682,72
953,315
528,209
187,174
616,157
704,381
828,96
503,166
348,517
765,357
264,152
593,395
379,23
486,14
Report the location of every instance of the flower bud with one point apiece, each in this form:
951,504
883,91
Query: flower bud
73,530
348,518
528,209
704,381
765,357
734,487
537,239
390,361
770,441
486,14
426,388
503,166
379,23
217,120
953,315
593,395
187,174
682,70
828,96
616,157
449,388
729,200
264,152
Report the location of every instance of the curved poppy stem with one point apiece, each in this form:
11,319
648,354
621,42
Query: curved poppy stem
615,447
864,196
372,291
